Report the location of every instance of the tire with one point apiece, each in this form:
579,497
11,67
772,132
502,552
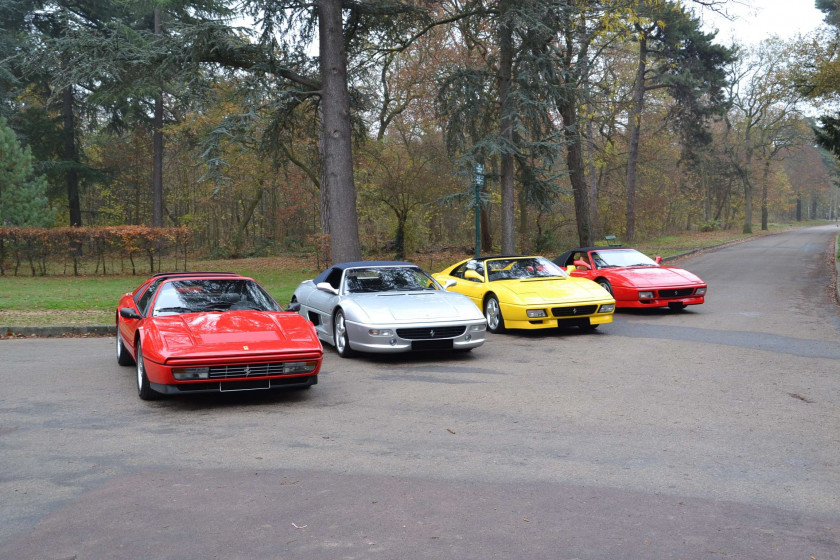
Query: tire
123,357
493,314
676,306
604,283
144,388
341,340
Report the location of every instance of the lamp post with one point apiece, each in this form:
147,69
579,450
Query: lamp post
478,182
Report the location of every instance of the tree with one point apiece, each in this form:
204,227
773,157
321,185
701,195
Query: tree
676,56
23,200
761,107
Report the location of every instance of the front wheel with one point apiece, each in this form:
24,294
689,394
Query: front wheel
493,314
340,337
123,357
144,388
604,283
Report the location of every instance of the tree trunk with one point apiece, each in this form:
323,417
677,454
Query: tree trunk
506,111
592,179
764,188
577,174
335,135
634,126
71,156
240,231
157,157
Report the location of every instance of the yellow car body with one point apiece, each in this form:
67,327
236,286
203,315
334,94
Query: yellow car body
528,292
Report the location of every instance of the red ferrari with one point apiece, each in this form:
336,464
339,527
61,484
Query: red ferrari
634,279
199,332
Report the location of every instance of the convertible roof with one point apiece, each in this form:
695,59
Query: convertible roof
359,264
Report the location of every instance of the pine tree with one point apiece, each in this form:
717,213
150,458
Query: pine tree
23,200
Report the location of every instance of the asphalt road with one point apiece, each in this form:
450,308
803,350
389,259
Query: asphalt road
711,433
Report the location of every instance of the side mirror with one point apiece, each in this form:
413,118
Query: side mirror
473,275
129,313
294,307
581,264
326,287
657,259
450,283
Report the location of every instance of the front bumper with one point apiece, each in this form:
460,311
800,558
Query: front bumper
415,336
516,316
161,377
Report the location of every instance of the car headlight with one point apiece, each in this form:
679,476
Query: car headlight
380,332
700,292
607,308
477,328
535,313
183,374
300,367
645,295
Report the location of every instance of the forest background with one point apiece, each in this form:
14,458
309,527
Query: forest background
353,129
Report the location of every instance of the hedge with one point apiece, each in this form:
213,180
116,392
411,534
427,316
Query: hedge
62,250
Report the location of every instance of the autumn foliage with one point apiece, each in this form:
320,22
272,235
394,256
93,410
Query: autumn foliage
91,250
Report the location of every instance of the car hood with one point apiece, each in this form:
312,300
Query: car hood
412,307
547,291
235,332
655,276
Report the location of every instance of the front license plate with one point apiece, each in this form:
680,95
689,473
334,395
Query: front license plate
256,385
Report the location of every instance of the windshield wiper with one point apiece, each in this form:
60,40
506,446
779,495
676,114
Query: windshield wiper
173,310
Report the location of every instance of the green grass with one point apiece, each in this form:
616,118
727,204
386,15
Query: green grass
69,300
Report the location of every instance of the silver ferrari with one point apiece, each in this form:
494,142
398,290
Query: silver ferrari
387,306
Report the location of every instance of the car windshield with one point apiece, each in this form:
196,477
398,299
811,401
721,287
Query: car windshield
197,295
522,268
621,257
386,279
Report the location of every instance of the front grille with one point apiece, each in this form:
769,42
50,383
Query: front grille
574,311
431,333
245,370
680,292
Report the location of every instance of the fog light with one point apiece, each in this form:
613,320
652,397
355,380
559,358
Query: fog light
700,292
393,342
534,313
607,308
468,337
645,295
191,373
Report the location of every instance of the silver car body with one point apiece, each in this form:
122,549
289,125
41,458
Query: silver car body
390,320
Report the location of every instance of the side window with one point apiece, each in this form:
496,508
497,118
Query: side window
146,298
459,272
334,278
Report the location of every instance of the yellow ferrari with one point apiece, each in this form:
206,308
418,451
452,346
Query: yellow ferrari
529,293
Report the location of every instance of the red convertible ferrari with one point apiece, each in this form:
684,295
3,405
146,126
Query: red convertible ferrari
634,279
199,332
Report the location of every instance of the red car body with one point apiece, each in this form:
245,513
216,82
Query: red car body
635,280
210,332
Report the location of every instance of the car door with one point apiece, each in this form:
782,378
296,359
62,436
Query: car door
469,285
322,303
580,271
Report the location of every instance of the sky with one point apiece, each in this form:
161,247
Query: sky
762,18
